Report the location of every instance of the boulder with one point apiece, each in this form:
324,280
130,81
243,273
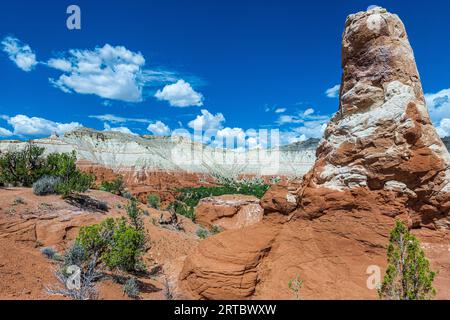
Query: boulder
229,211
280,198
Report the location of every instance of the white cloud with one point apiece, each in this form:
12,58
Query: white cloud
34,126
180,94
107,127
443,129
280,110
5,132
60,64
333,92
311,129
438,105
116,119
312,125
207,121
20,53
159,128
109,72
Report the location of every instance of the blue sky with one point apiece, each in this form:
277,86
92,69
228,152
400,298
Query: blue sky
154,66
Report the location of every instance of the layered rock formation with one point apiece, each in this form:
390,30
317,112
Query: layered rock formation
143,154
380,159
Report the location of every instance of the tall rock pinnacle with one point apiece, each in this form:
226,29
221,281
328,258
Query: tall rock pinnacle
380,146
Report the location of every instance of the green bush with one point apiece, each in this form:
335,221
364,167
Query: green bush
153,201
116,186
116,243
27,166
408,275
77,182
63,165
22,167
215,229
202,233
126,248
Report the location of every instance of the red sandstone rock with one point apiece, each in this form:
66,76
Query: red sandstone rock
229,211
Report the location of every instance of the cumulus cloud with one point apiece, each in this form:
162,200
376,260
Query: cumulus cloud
333,92
439,107
20,53
443,129
180,94
207,121
159,128
116,119
5,132
109,72
107,127
34,126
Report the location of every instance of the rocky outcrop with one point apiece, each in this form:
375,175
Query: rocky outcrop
280,198
380,151
229,211
380,159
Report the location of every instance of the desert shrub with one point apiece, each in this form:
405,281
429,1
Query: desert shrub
215,229
22,167
131,288
49,253
202,233
135,214
153,201
75,255
408,275
116,186
45,185
96,238
78,182
26,166
117,244
63,166
126,248
83,288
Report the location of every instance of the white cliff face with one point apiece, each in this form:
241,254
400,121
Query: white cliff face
123,152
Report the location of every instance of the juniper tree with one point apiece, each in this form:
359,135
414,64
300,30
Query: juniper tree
408,274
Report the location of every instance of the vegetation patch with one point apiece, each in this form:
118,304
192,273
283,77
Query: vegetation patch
188,198
55,173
